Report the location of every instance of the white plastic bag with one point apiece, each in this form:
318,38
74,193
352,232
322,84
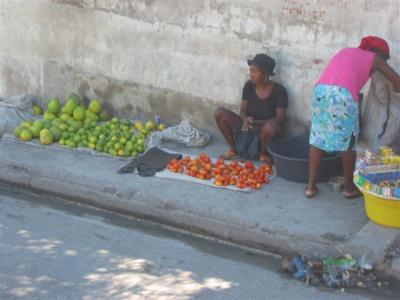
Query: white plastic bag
184,133
381,106
14,110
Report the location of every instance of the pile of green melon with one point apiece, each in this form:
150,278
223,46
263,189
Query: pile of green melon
74,125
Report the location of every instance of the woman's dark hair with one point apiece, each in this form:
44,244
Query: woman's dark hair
380,53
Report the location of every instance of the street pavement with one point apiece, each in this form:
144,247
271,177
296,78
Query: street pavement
53,249
277,218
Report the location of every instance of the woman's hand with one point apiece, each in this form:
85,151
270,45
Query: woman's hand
247,124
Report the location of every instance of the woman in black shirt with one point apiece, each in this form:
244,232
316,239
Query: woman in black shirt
263,108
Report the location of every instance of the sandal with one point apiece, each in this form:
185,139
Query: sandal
353,194
230,154
310,193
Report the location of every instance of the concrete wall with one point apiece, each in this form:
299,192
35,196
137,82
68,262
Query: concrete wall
179,59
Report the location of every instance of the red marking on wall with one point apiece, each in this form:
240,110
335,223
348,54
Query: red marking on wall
313,10
304,13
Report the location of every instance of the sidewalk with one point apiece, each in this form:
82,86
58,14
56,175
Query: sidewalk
277,218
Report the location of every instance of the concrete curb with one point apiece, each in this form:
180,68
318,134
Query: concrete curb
148,206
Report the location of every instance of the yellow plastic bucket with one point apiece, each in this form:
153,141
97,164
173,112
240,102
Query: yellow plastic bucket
382,210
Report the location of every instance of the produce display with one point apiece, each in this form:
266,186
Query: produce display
75,125
242,175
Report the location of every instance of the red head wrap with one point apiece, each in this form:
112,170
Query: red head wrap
374,42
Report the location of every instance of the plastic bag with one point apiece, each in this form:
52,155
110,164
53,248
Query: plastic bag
382,106
247,143
14,110
184,133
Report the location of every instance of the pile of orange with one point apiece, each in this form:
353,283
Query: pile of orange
242,175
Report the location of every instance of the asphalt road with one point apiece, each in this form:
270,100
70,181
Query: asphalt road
53,249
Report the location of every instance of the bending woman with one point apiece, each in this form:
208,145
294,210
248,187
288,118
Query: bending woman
335,114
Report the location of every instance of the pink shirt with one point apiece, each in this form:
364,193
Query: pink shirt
349,68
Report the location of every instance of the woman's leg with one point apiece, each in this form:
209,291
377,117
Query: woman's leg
314,163
269,131
227,121
348,163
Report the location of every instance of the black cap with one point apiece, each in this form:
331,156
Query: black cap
264,62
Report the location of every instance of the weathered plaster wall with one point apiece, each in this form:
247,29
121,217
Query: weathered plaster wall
179,58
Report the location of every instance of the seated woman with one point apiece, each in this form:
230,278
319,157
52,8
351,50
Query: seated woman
262,110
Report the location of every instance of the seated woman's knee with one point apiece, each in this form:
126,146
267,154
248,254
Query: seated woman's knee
219,113
270,128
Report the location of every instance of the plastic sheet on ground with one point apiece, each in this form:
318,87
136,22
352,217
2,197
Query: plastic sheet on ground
58,147
179,176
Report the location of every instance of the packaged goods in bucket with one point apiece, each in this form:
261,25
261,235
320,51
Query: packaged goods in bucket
378,177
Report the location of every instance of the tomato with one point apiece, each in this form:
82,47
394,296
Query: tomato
203,171
262,179
249,165
194,168
220,161
241,185
174,161
176,169
218,183
208,166
200,176
244,172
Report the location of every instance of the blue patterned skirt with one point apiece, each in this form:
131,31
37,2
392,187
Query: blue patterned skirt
334,118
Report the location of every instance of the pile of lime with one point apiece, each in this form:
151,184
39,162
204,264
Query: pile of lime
75,125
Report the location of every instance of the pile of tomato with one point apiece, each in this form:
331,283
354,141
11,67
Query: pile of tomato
242,175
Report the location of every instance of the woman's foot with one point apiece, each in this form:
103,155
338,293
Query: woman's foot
230,154
310,193
352,194
265,159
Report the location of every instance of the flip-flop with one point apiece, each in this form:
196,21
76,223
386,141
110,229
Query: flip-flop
310,193
228,155
351,195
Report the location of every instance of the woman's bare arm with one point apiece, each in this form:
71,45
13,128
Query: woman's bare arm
387,71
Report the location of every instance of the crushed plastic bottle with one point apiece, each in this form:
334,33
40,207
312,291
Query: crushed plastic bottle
302,270
342,263
364,263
